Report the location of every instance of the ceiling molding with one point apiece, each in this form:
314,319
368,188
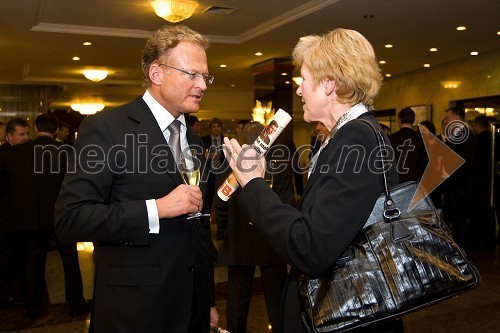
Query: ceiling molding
285,18
90,30
255,32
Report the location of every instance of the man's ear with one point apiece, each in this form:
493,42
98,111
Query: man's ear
155,74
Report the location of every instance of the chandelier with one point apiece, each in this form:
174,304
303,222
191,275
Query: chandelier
87,108
174,10
95,75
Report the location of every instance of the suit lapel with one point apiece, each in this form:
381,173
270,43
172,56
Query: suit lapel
147,129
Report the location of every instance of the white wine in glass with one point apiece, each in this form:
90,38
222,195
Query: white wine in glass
190,172
191,177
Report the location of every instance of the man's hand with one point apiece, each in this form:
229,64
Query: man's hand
184,199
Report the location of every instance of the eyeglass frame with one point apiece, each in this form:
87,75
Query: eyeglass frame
209,79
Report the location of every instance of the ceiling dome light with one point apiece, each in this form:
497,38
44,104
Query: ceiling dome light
87,108
174,10
427,65
382,62
461,28
388,46
474,53
95,75
433,49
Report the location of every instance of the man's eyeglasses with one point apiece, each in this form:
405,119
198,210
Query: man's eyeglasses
193,75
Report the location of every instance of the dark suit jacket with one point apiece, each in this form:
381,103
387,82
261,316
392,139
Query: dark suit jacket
32,173
243,243
411,163
144,282
336,202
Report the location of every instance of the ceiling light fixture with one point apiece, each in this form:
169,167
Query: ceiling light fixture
433,49
427,65
461,28
474,53
95,75
382,62
75,58
87,108
258,54
388,46
174,10
451,84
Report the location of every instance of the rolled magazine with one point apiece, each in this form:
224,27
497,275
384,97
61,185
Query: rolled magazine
261,145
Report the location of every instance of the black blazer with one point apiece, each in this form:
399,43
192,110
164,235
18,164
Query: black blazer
336,202
31,174
144,282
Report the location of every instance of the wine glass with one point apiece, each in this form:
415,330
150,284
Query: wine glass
190,172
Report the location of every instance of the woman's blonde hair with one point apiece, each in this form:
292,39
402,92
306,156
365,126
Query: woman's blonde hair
346,57
163,41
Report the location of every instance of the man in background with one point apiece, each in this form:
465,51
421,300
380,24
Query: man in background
194,123
215,159
33,173
17,132
409,149
3,132
63,133
459,188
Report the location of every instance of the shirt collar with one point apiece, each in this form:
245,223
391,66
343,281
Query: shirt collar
162,116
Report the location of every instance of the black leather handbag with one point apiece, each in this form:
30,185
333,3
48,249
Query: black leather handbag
400,261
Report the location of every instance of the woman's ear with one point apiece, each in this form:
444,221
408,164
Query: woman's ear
329,86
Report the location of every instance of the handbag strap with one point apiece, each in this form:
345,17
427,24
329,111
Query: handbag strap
391,212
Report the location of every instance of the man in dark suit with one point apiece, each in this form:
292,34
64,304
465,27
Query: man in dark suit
459,187
153,266
33,173
409,148
16,132
215,159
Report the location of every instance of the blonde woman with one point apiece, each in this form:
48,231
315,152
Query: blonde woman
341,80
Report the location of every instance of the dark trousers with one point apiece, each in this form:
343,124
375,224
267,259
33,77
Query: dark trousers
239,294
73,285
10,268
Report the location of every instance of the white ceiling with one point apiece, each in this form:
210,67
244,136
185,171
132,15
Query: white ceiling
40,37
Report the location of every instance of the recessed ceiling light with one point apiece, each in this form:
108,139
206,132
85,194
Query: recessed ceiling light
284,74
75,58
87,43
258,54
223,66
498,32
388,75
461,28
388,46
474,53
382,62
287,82
433,49
427,65
233,85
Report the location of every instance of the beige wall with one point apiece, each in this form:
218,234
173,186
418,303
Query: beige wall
480,76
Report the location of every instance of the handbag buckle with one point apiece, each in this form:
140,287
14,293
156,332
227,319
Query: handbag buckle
391,214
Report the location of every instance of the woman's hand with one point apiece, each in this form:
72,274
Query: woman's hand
244,161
